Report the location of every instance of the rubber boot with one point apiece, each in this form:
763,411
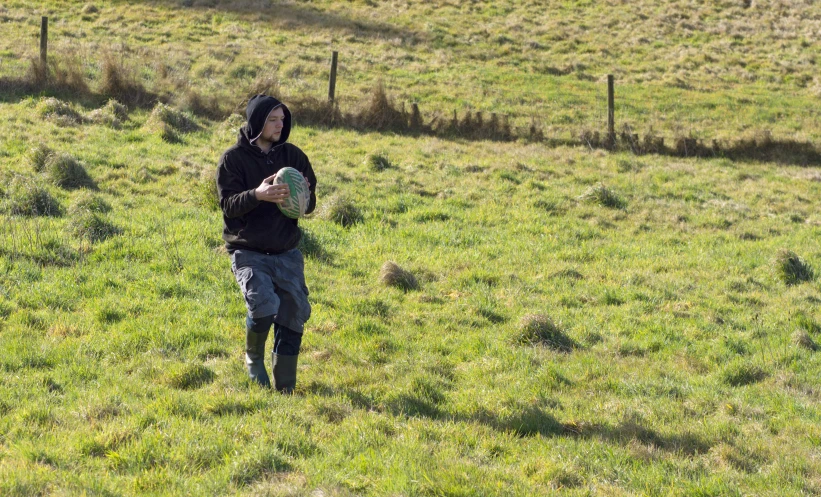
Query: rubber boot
285,372
255,357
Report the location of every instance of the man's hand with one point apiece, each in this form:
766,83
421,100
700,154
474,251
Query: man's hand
268,192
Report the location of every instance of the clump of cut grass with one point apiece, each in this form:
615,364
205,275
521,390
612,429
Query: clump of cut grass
66,172
341,210
604,196
393,275
742,373
91,226
189,376
378,162
38,157
56,109
87,201
803,339
26,198
791,269
111,114
538,329
169,122
90,8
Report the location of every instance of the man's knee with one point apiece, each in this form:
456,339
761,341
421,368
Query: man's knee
286,340
260,324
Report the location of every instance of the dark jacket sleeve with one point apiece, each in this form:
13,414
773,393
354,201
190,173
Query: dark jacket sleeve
236,199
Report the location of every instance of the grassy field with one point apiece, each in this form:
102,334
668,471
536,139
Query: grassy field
584,322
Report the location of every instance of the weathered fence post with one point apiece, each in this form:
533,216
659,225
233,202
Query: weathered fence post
611,111
332,80
44,41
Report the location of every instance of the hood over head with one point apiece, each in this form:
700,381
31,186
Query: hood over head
257,111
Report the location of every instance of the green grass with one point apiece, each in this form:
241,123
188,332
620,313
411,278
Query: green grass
578,321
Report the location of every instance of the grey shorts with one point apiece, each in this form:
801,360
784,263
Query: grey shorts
273,285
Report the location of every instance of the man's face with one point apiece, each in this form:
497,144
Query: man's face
273,126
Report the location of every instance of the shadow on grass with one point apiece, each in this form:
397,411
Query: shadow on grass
294,16
627,431
528,421
381,114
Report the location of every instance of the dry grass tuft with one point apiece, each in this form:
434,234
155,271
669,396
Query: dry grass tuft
378,162
61,112
62,73
86,200
91,226
600,194
38,157
189,376
112,114
804,340
120,82
538,329
341,210
393,275
266,84
169,123
66,172
791,269
380,112
24,197
191,101
206,191
742,373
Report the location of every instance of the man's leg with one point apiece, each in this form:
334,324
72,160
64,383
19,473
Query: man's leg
256,334
254,278
285,355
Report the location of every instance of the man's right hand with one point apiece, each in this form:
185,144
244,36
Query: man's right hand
268,192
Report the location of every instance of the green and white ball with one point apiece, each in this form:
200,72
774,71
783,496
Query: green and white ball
297,203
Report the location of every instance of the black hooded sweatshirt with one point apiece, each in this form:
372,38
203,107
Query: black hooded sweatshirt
248,223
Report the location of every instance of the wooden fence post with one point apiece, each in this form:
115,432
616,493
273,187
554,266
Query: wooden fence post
611,111
44,41
332,80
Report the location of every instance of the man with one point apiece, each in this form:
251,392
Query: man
262,241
